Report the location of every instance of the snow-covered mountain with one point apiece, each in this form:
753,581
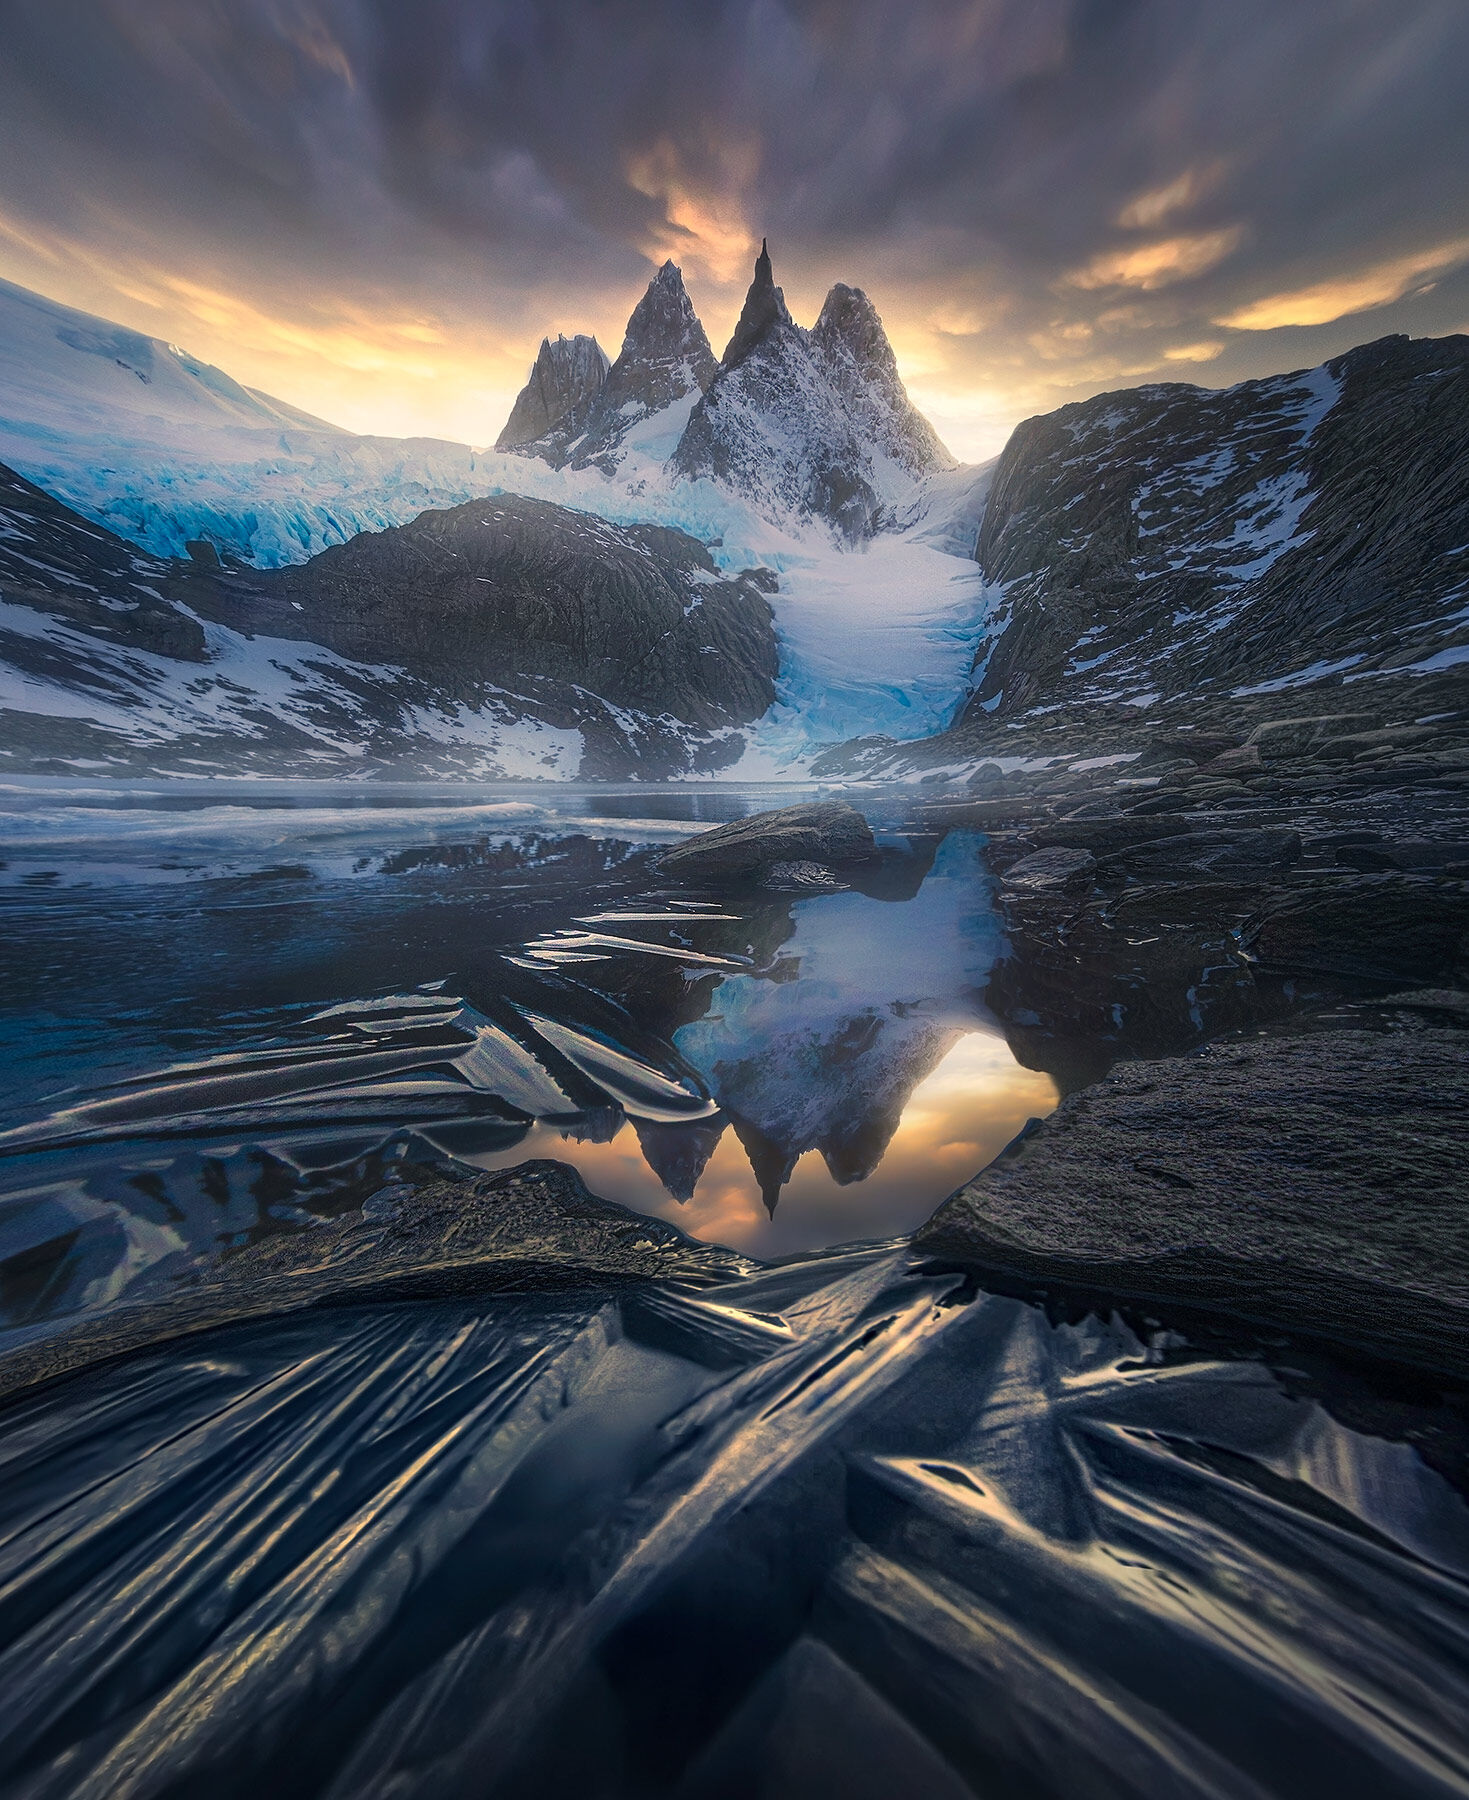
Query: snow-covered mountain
1170,537
774,428
798,425
163,448
641,406
1177,547
852,348
508,638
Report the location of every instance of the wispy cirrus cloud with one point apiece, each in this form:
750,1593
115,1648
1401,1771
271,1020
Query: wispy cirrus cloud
1342,295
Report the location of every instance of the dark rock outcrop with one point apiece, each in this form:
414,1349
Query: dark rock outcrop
565,373
826,832
1387,927
60,564
469,640
507,590
1170,536
1058,869
1311,1182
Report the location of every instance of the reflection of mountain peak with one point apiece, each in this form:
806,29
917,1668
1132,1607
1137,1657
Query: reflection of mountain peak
828,1062
679,1154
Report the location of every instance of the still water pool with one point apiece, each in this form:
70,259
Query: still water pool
226,1011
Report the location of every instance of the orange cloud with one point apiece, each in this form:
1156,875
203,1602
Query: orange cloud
1320,304
703,229
1158,204
1157,265
1205,352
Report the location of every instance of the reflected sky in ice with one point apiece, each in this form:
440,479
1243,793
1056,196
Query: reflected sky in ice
958,1118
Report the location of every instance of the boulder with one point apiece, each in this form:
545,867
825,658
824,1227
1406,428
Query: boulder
1296,737
1313,1183
1404,853
1218,853
1105,836
980,815
1059,870
827,832
1243,760
1390,927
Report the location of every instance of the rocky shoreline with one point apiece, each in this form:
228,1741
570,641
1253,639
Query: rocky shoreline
1245,966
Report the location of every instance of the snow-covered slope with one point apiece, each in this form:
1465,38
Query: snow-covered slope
142,437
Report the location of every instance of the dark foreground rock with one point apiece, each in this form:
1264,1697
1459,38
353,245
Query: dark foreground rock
530,1228
1390,927
826,832
1313,1183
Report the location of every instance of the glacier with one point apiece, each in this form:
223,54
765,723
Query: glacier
163,449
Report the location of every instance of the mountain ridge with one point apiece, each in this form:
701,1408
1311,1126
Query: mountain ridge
802,425
1171,549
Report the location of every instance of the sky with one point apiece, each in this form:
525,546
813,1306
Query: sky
375,208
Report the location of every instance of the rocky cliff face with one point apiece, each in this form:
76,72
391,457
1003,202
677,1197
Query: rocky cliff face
664,366
508,637
1171,538
58,564
566,373
504,589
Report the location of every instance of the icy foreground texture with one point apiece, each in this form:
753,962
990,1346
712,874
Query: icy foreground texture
841,1527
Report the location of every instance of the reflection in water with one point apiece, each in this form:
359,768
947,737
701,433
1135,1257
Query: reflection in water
858,1077
958,1118
773,1074
844,1525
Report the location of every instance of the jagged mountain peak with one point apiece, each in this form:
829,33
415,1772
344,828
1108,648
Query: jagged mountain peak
854,350
763,311
665,364
567,371
665,328
850,321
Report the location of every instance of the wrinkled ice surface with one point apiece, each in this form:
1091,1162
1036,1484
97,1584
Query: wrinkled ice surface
845,1525
224,1011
